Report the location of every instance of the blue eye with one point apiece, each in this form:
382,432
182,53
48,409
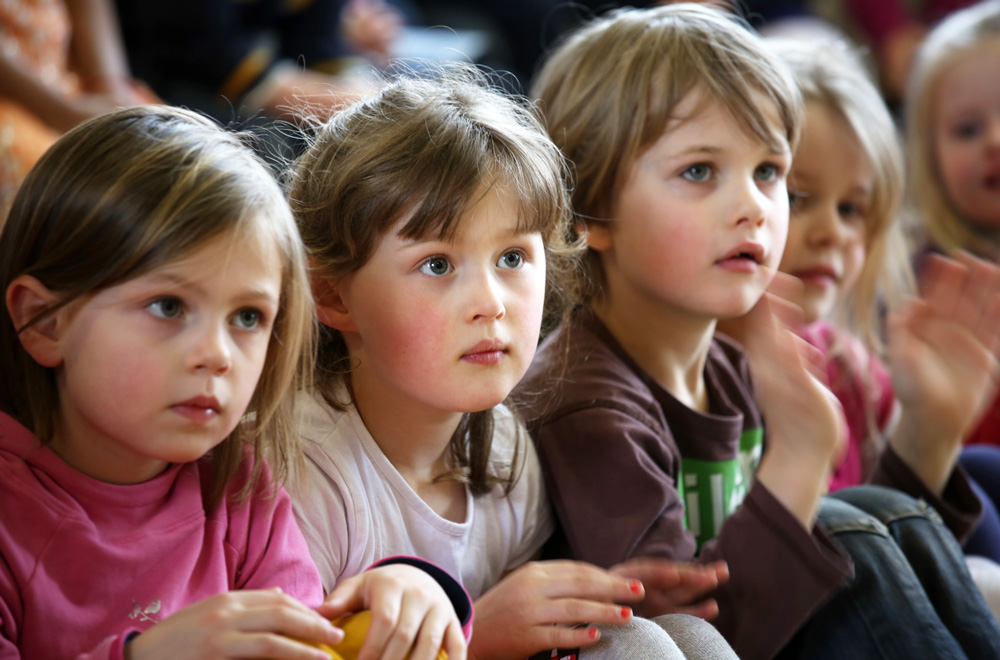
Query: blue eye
166,308
699,172
768,172
248,319
436,266
511,260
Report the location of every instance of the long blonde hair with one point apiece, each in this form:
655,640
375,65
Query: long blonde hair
833,75
129,192
961,34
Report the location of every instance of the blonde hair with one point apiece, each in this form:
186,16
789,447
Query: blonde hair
129,192
609,90
421,153
833,76
962,33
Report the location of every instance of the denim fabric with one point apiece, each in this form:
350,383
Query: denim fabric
911,595
982,463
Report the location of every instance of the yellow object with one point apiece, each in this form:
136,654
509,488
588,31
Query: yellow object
355,627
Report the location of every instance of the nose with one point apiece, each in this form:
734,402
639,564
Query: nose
211,351
485,294
826,228
993,132
750,204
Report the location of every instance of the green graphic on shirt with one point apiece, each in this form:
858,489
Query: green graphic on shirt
711,490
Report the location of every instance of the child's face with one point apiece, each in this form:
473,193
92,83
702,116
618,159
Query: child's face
966,135
699,226
161,368
830,186
446,326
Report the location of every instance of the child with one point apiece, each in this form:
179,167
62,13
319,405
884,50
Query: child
847,248
952,136
157,309
434,215
681,142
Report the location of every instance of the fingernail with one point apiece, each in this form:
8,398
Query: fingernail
626,612
593,633
635,586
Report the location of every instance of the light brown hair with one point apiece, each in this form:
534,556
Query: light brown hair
129,192
608,92
414,159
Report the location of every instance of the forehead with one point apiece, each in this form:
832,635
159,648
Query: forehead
829,145
970,81
699,119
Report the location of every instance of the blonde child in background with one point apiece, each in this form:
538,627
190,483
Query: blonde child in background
952,115
435,218
157,313
653,440
846,247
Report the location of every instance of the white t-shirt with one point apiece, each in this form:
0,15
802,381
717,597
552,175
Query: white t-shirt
355,508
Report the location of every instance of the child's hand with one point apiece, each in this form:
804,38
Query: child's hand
942,357
237,624
805,423
411,614
675,587
537,607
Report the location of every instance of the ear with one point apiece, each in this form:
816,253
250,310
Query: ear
331,308
597,235
27,298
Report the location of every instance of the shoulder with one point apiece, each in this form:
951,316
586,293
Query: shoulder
581,368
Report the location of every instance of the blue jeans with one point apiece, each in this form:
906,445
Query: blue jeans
982,463
911,595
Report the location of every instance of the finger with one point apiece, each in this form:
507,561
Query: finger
291,621
454,642
941,283
431,635
707,609
348,596
561,637
270,646
574,579
383,624
573,611
402,636
981,284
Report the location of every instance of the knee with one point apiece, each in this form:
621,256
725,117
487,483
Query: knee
887,505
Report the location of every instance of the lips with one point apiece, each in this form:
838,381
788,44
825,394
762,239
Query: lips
746,252
819,275
198,409
488,351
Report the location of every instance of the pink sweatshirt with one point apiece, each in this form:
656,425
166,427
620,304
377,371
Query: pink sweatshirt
84,563
857,396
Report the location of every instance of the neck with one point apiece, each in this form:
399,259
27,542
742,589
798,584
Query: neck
669,344
415,440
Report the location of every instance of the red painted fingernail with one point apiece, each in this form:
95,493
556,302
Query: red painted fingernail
635,586
626,612
593,633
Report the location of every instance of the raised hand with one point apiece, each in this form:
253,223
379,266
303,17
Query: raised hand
411,613
805,423
943,360
541,605
237,624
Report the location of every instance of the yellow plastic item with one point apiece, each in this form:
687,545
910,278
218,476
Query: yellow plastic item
355,627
